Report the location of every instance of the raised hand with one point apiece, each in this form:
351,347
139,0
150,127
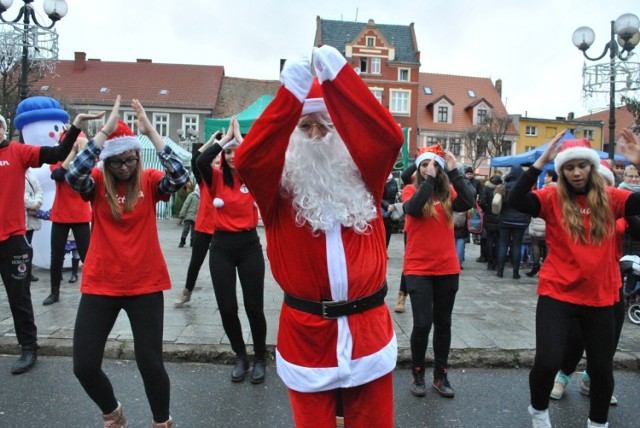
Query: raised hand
83,117
450,159
236,130
142,122
630,146
551,152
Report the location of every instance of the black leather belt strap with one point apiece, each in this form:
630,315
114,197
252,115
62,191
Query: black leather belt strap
332,309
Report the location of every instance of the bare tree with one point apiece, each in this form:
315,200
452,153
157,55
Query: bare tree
493,132
474,149
633,106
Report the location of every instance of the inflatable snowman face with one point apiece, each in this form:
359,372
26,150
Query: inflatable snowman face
43,132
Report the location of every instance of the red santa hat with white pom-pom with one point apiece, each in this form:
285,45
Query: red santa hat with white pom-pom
576,149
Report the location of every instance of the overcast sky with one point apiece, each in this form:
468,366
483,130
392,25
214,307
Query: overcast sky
527,44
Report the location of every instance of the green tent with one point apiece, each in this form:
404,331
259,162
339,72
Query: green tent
245,118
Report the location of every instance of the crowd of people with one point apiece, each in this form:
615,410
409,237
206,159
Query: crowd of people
317,167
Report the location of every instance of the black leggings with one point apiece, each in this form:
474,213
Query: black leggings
201,243
432,299
554,320
59,235
95,319
241,252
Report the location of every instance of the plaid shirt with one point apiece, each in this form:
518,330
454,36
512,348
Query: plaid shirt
80,180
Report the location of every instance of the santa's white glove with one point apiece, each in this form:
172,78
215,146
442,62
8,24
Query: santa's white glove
296,77
328,62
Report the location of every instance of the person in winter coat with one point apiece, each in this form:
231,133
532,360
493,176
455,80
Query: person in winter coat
491,221
32,202
512,226
188,215
388,201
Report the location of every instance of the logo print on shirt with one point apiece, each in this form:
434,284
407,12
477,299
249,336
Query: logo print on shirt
4,163
123,198
244,189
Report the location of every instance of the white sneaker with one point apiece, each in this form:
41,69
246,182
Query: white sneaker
559,385
595,425
585,385
539,418
185,297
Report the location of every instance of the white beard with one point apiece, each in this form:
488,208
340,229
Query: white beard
325,184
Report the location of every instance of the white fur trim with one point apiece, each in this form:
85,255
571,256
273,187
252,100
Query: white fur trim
607,174
576,153
314,105
429,155
117,146
328,62
357,372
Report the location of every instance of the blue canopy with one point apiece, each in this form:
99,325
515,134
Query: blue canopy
528,158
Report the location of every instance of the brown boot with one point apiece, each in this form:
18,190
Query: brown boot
115,419
184,298
402,298
167,424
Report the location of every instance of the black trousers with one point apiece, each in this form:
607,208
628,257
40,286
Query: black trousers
554,322
201,243
59,235
94,321
240,252
15,269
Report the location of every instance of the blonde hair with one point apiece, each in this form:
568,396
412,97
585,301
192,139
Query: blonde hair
131,194
597,198
441,192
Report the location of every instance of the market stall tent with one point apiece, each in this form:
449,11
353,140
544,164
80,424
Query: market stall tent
245,117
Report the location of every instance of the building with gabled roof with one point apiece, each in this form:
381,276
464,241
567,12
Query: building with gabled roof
624,119
386,57
175,96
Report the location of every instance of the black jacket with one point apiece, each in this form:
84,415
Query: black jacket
510,216
490,220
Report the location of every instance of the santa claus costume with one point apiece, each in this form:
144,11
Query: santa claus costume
337,258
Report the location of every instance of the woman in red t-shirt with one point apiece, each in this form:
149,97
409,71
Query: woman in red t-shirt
580,278
236,250
69,212
124,268
431,266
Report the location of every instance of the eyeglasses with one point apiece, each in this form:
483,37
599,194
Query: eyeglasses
117,163
307,127
633,177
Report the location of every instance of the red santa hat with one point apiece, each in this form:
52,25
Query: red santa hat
432,152
576,149
120,141
605,171
315,101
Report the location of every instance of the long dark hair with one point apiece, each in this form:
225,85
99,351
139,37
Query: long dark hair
441,192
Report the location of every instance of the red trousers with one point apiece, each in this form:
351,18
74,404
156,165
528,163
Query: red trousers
365,406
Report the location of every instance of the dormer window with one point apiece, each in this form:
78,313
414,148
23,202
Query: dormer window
403,75
443,114
371,42
482,116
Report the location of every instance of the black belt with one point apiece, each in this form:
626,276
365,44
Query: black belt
332,309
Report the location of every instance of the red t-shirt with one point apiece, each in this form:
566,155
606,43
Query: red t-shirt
68,206
15,159
431,248
576,272
124,257
239,212
206,212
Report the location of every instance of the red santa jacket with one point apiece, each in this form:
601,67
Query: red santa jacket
314,354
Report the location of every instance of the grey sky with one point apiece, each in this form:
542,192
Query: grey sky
527,44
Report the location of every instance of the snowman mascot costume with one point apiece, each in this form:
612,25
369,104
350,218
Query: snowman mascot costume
41,120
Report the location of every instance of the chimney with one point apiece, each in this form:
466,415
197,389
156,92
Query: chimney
499,87
143,60
570,116
80,61
282,61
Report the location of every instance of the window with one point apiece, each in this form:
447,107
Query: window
161,123
531,131
427,90
506,148
471,93
443,114
482,116
529,148
403,75
364,62
104,90
164,91
455,146
371,42
399,102
481,149
44,88
129,119
190,121
375,65
378,94
588,133
432,140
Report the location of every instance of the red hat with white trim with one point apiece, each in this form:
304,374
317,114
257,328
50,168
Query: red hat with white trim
314,103
432,152
576,149
120,141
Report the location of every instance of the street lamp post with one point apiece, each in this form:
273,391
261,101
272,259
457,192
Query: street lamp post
55,10
626,27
